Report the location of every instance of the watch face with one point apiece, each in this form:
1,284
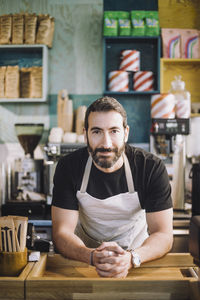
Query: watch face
136,259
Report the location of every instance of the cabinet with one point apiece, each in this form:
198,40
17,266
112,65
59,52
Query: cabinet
136,104
149,48
189,69
26,56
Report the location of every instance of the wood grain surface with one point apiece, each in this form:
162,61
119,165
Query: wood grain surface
59,278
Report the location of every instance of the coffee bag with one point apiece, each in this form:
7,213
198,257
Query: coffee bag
17,29
5,29
12,82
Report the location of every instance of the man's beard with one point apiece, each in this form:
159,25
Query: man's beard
104,161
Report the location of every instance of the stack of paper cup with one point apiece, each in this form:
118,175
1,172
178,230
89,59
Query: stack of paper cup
143,81
130,60
163,106
118,81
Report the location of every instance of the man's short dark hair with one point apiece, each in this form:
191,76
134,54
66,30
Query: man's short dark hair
106,104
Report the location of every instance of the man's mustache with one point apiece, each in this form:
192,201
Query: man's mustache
105,150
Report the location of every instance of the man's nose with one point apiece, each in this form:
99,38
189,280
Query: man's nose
107,141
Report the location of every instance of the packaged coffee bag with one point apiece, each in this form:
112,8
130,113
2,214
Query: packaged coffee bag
30,21
17,29
124,23
5,29
190,43
25,82
152,23
110,23
45,30
36,82
138,24
2,81
51,34
12,82
171,42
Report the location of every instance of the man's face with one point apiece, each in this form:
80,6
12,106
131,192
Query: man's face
106,138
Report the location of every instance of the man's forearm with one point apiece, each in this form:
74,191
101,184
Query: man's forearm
71,246
155,246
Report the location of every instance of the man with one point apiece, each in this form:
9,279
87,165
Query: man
107,195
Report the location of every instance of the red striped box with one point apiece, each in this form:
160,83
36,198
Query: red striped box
143,81
163,106
118,81
130,60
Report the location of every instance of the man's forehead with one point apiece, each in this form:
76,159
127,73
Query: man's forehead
111,118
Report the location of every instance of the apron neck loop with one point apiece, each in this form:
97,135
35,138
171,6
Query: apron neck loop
128,174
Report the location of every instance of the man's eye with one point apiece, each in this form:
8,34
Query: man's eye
96,131
114,131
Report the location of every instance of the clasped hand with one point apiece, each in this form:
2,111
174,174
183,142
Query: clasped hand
111,260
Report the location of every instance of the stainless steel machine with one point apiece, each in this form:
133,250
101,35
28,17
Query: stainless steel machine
53,152
168,141
27,174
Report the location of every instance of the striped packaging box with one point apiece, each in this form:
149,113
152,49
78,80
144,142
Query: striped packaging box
118,81
130,60
163,106
143,81
183,109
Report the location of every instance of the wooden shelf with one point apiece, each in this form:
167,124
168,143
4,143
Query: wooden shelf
26,56
189,69
149,48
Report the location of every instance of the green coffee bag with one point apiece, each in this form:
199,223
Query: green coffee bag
124,23
138,24
152,23
110,23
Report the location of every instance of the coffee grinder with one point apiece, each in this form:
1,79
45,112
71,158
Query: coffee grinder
28,172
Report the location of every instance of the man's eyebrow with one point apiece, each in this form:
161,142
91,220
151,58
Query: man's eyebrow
98,128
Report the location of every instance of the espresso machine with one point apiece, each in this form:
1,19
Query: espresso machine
168,142
27,181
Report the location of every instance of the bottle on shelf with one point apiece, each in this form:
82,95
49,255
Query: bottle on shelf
182,98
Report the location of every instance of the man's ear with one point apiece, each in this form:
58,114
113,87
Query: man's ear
126,133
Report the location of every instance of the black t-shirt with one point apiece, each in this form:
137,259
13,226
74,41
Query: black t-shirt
149,176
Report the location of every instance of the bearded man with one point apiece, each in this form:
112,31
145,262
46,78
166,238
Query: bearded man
111,204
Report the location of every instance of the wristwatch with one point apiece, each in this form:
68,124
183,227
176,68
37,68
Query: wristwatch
135,258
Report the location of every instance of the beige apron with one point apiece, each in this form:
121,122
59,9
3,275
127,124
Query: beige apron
119,218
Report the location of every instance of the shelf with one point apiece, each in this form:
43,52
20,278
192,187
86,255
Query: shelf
189,69
149,48
26,56
25,100
131,93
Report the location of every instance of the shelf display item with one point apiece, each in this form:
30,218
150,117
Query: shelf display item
152,23
12,81
17,29
130,60
163,106
124,23
138,22
143,81
110,23
30,28
190,43
118,81
182,98
171,41
5,29
45,30
2,80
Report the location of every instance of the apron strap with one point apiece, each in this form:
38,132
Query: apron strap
86,175
129,177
